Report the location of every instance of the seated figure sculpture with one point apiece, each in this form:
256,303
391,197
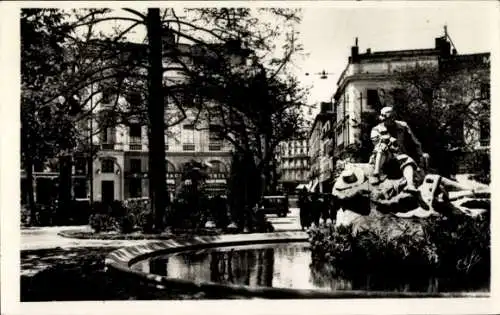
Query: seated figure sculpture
388,183
402,142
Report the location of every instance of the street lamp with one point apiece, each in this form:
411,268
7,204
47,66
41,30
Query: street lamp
323,74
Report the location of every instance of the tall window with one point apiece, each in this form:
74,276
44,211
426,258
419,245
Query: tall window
80,188
372,99
135,165
81,165
188,138
107,166
107,123
215,141
135,132
135,187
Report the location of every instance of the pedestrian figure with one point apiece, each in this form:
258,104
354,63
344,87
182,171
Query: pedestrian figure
325,208
303,204
315,208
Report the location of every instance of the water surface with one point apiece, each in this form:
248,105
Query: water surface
285,265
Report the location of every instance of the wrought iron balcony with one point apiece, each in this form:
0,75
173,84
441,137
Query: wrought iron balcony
188,147
135,147
214,146
484,142
107,146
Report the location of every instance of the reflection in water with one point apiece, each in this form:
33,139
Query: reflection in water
286,266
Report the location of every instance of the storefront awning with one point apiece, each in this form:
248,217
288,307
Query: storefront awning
215,181
301,186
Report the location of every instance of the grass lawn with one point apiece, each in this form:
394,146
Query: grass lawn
77,274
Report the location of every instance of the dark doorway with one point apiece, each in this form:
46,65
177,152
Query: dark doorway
108,191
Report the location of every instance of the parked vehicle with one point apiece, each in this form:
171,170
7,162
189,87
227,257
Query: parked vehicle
275,205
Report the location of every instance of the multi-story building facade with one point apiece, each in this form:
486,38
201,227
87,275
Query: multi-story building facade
293,163
119,168
320,150
369,77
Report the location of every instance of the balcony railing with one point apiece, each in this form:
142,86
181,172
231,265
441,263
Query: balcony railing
107,146
484,142
135,147
214,146
188,147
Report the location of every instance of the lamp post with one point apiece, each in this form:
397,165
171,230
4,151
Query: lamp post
91,153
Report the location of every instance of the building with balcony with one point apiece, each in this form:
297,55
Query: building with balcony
321,150
368,83
293,163
119,166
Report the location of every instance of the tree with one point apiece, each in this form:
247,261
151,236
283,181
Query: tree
252,110
46,129
449,100
202,28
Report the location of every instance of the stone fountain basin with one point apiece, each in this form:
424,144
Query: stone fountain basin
120,263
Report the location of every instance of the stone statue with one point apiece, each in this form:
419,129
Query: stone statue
402,142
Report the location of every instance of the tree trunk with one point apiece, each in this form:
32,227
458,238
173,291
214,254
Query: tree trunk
157,168
65,187
265,167
28,166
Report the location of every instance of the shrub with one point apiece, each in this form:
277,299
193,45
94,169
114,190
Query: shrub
453,247
126,223
25,215
80,212
117,209
100,208
146,222
140,210
102,222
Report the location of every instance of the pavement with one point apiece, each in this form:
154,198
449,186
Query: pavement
47,237
289,223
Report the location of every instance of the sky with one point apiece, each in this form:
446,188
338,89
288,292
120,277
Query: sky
328,30
328,33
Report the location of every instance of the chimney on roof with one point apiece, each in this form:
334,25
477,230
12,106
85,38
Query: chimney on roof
443,46
355,52
368,51
326,107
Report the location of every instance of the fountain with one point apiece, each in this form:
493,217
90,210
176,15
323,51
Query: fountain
280,264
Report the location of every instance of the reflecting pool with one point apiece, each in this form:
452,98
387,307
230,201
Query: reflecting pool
284,265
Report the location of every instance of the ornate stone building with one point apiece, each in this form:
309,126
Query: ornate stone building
120,165
293,163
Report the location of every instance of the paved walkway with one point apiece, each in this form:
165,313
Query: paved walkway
289,223
46,237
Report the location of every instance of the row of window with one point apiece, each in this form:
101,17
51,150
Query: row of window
293,144
296,163
294,175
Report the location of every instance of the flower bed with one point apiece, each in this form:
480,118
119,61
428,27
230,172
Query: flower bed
390,247
138,235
